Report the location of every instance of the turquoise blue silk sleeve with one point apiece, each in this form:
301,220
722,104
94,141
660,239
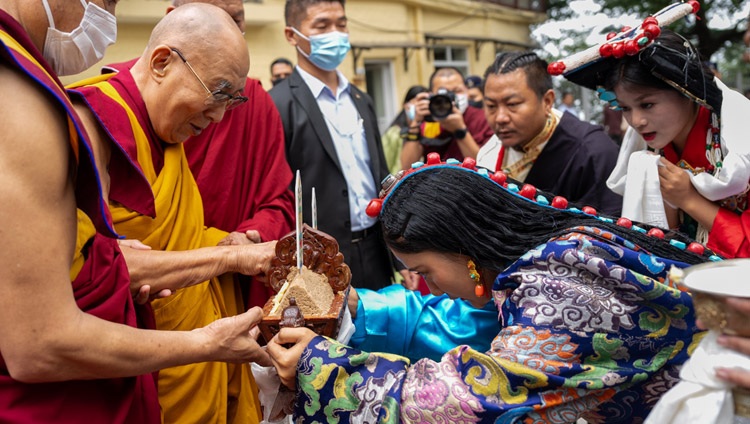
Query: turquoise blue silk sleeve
404,322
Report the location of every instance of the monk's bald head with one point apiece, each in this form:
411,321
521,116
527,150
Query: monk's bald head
235,9
196,59
198,24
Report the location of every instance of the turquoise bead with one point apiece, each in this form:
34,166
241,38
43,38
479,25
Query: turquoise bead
678,244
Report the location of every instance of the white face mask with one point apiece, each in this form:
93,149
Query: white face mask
73,52
462,102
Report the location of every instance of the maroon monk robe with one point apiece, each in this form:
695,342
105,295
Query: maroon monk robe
101,288
242,173
243,176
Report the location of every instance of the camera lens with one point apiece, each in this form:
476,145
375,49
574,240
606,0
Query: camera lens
441,106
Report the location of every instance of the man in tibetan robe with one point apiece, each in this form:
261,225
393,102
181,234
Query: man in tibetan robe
241,168
193,69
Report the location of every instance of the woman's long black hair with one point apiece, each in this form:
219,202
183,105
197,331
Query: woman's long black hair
451,210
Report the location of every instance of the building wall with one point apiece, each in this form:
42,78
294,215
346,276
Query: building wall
372,23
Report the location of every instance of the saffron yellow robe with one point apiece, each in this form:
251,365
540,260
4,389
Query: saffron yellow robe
198,393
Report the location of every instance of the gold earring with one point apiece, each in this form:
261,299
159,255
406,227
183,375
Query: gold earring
474,275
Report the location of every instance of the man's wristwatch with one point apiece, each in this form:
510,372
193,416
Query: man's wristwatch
460,134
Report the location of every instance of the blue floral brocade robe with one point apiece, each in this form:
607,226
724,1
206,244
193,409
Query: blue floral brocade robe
591,329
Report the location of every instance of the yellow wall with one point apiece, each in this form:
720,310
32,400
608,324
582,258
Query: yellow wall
371,22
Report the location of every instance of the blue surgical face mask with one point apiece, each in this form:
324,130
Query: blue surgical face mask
328,50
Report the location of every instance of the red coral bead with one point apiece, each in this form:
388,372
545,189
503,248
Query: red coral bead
374,208
589,210
605,50
695,5
631,47
528,191
656,232
624,222
433,158
556,68
560,202
499,177
651,31
625,29
611,35
650,20
696,248
469,163
618,50
479,290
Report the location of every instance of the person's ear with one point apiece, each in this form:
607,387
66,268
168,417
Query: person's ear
548,100
159,63
289,35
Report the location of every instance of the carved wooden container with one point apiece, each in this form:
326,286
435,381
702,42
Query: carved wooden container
320,253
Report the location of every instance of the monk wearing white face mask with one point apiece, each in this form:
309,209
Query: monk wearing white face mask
75,51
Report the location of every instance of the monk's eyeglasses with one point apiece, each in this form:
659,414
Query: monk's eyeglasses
216,97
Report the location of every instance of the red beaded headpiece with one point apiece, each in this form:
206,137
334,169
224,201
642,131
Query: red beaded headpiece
629,41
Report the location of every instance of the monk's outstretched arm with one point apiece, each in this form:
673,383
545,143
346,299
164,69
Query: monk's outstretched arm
177,269
44,336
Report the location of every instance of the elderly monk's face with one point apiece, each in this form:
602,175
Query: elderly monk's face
185,106
513,110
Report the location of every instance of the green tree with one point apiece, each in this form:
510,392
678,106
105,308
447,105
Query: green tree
707,39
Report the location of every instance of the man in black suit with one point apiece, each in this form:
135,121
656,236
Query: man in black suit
332,137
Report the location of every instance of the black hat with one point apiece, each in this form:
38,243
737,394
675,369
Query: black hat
681,69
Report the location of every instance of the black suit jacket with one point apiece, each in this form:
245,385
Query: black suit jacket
310,149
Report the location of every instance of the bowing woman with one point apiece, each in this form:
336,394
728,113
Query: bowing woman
686,145
589,324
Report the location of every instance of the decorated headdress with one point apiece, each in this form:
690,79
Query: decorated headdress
525,191
679,68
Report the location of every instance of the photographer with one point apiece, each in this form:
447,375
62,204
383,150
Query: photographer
444,122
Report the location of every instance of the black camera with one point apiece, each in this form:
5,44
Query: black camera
441,104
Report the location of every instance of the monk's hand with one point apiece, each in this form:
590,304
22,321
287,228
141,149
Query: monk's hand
144,296
285,359
411,279
676,188
253,236
233,339
254,259
235,239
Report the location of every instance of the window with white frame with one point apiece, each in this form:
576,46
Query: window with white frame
457,57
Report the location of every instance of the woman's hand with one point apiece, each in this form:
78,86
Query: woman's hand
353,302
411,279
286,357
676,188
678,191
